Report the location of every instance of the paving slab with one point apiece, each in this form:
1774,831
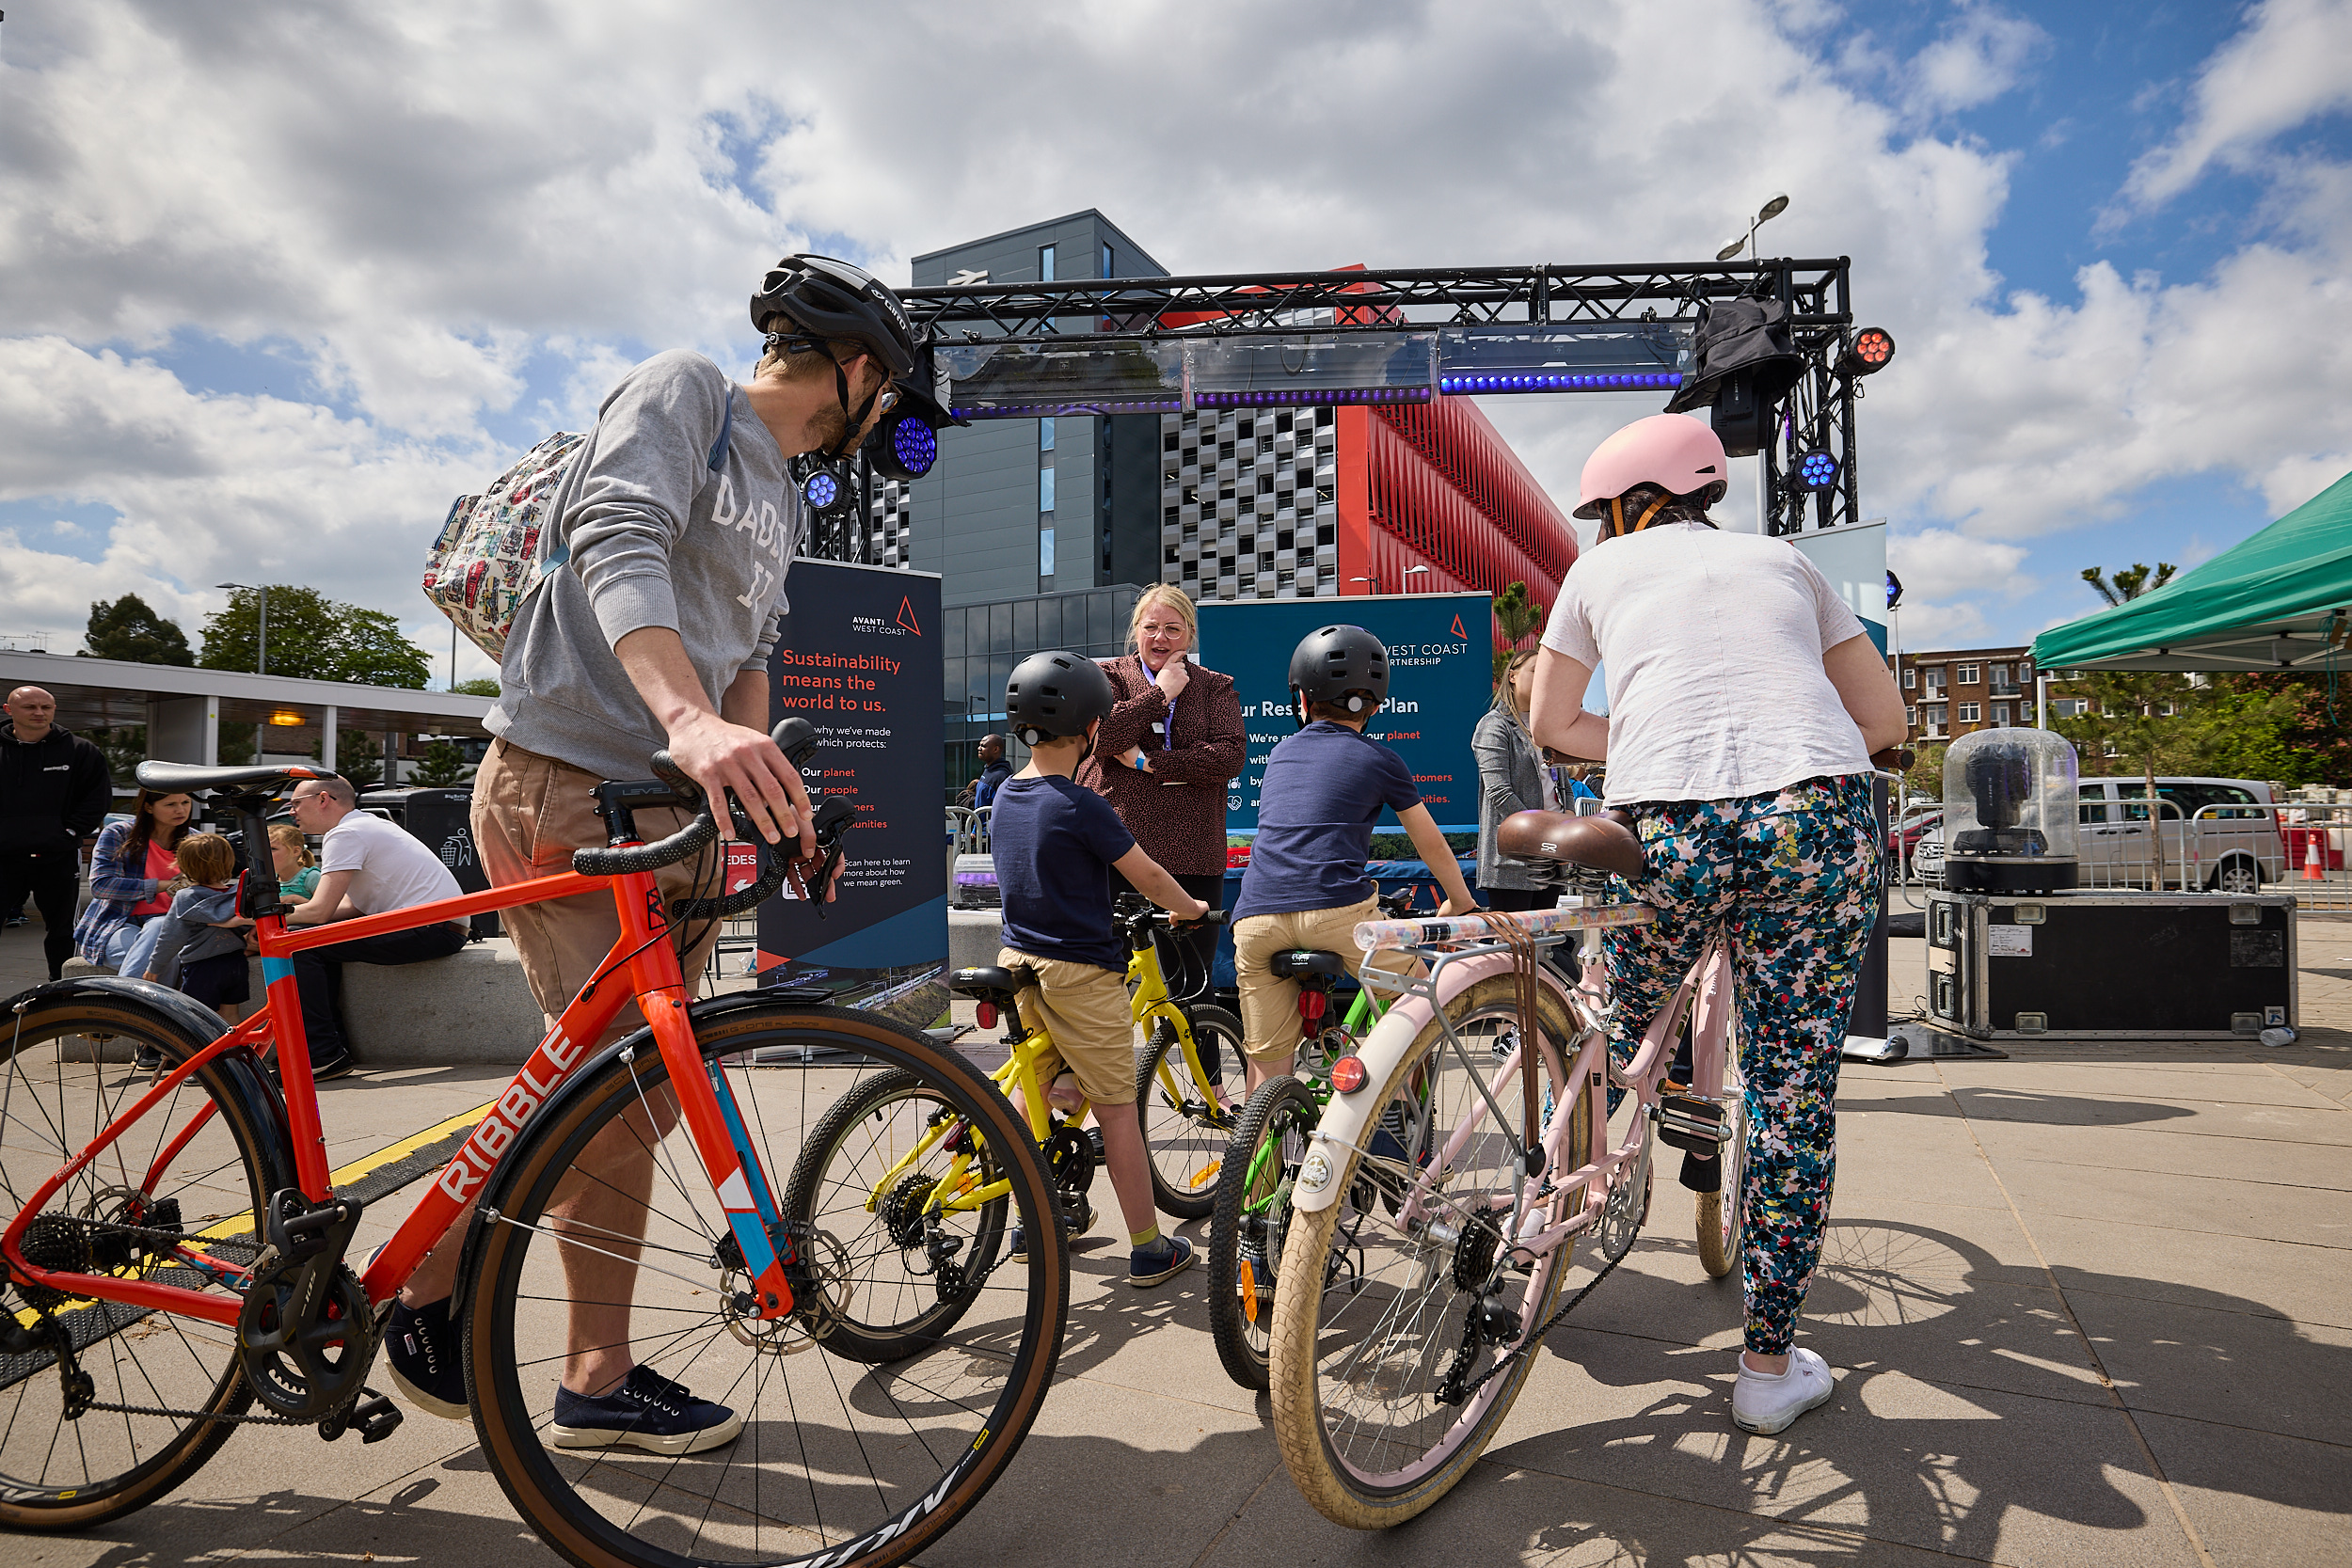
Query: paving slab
2256,1497
2167,1151
2222,1364
2301,1282
2213,1205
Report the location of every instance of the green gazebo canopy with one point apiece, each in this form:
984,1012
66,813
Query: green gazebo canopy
2281,600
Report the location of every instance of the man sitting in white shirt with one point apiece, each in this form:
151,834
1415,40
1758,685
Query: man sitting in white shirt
366,866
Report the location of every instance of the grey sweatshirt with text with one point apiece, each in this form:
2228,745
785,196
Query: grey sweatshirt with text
657,538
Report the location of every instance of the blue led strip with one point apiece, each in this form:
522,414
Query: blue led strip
1561,382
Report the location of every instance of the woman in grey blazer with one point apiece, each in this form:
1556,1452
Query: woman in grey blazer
1510,778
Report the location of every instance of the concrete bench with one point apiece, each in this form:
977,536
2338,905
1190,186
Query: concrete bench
470,1007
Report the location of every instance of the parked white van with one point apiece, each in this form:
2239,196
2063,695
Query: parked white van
2211,834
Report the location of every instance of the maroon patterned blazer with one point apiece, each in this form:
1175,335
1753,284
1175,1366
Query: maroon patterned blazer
1177,810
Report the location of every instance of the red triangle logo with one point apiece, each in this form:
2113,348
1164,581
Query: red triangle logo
1459,634
906,616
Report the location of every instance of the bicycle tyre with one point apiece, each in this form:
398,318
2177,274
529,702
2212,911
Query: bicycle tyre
1241,1311
1312,1327
865,1469
220,1180
1722,1214
850,1333
1184,1138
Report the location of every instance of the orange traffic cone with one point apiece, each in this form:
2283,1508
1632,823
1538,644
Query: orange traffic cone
2311,871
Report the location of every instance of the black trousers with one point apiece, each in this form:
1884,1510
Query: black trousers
1513,900
54,877
318,976
1186,957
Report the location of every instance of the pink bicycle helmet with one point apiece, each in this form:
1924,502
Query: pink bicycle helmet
1673,451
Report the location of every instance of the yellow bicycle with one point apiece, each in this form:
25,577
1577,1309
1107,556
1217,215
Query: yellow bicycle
908,1202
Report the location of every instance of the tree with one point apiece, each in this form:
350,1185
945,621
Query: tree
358,757
124,748
2130,582
313,637
481,686
1516,616
2150,717
442,767
129,629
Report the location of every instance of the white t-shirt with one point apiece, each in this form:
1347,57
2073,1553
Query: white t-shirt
1712,643
390,869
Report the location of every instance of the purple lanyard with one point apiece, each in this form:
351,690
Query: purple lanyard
1167,723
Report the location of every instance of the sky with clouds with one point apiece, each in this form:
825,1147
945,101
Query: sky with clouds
276,282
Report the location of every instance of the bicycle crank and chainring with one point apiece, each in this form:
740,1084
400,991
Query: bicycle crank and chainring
306,1335
1070,1161
1626,1207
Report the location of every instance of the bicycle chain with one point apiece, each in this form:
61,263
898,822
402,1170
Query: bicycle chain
1532,1340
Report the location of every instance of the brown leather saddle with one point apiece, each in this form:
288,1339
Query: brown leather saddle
1605,841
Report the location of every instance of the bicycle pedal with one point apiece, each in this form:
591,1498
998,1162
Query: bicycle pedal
1692,1125
376,1417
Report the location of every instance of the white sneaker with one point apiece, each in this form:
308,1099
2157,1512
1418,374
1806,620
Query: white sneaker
1764,1404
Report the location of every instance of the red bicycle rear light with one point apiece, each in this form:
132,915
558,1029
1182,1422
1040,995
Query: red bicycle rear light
1348,1074
1311,1005
987,1014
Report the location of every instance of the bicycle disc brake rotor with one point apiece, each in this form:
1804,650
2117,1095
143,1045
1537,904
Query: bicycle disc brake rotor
821,1295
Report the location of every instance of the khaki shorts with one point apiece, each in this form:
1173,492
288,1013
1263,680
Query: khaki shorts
1269,1008
1085,1010
530,813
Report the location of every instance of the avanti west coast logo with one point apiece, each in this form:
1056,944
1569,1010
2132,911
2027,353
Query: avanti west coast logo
901,624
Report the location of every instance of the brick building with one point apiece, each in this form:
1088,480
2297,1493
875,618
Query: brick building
1951,693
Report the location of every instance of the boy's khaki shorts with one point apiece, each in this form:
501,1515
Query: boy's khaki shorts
1085,1008
1269,1008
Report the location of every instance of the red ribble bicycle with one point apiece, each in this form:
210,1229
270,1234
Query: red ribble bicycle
179,1259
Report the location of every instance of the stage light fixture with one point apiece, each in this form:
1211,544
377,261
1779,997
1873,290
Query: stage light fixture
1817,470
823,491
903,447
1872,347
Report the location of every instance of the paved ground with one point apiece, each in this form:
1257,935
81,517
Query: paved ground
2088,1305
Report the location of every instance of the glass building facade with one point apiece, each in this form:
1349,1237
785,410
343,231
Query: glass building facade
981,643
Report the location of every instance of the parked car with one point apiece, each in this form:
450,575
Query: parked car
1902,836
2233,847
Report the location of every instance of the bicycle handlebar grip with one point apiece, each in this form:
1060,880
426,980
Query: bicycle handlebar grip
834,814
688,840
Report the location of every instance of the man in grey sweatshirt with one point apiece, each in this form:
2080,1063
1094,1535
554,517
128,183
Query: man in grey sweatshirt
654,631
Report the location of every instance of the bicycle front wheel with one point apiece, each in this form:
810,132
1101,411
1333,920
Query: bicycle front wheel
143,1209
608,1232
1252,1216
1185,1116
1389,1380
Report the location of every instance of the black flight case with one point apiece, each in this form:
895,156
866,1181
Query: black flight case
2110,966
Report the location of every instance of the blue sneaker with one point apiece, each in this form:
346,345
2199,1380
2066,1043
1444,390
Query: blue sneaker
1163,1259
421,1348
1075,1224
646,1411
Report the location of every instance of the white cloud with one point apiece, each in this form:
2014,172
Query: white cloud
1981,55
2291,62
454,220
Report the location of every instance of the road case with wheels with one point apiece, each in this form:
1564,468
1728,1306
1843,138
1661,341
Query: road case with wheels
2115,966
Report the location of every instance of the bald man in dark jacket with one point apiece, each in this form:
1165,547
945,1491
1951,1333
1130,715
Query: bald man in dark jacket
54,793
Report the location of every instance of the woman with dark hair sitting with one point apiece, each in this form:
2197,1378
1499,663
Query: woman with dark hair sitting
1511,778
134,869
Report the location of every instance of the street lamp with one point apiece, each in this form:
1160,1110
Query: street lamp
1764,214
261,649
1374,579
1410,571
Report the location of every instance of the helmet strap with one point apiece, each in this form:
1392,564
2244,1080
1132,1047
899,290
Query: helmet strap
1617,528
853,422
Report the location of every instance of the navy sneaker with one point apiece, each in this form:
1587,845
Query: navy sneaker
420,1347
1163,1259
323,1068
1075,1223
646,1411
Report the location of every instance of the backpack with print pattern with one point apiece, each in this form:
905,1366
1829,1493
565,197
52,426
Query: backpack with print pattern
487,561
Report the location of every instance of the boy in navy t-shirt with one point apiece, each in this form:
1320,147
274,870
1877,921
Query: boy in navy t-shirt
1055,843
1324,789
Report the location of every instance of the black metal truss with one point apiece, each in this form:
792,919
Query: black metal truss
1818,413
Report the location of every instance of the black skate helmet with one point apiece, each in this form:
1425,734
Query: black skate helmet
1055,695
1341,664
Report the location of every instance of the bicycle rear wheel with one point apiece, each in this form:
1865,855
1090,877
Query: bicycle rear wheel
1251,1218
1390,1381
1186,1121
908,1268
837,1459
189,1220
1721,1214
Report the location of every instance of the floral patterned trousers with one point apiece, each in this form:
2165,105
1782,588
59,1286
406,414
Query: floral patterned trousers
1792,877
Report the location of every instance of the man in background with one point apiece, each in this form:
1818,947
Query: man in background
54,793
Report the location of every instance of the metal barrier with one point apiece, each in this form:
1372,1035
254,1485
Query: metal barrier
2313,835
967,829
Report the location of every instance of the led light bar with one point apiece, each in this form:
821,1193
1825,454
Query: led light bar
1274,397
1550,382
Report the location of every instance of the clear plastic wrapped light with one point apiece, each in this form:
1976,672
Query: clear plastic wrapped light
2009,813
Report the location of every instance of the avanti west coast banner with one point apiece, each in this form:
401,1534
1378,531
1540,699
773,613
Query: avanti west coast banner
859,657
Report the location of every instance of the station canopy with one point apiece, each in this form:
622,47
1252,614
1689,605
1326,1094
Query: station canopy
2281,600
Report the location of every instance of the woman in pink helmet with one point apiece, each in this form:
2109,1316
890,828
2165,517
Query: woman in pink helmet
1745,700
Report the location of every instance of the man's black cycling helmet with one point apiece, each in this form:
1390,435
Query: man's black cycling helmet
1055,695
832,299
1341,664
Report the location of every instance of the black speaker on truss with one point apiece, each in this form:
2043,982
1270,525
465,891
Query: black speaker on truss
1747,364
